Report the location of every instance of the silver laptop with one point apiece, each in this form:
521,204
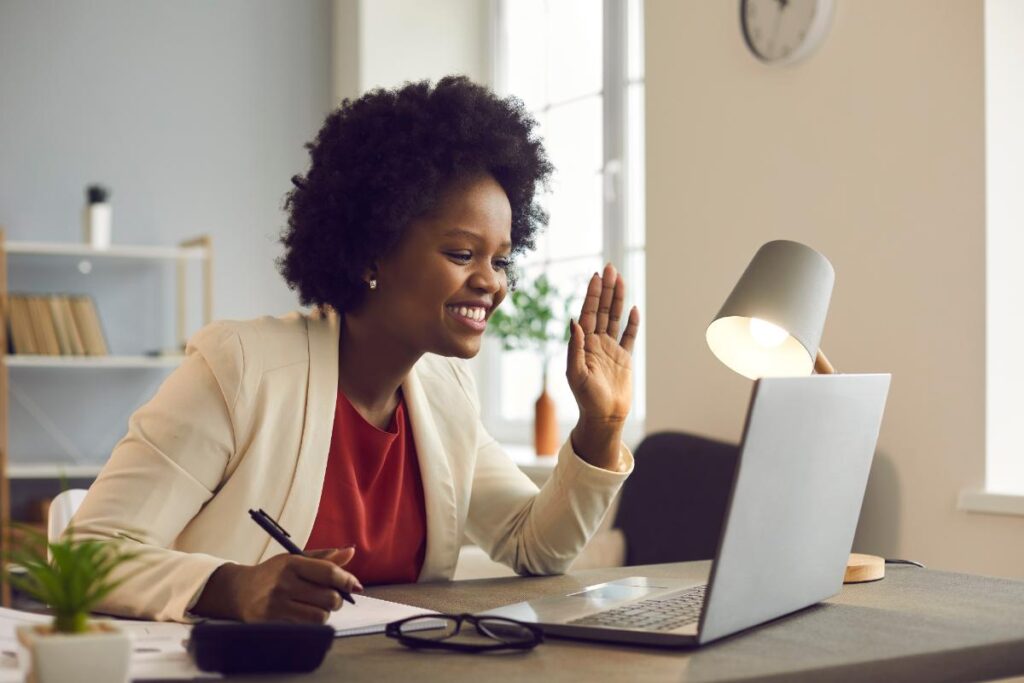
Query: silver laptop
792,513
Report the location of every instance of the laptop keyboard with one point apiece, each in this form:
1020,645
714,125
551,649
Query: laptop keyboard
655,614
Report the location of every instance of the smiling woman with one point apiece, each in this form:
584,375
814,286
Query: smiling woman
357,426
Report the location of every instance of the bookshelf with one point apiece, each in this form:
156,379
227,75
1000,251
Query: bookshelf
23,367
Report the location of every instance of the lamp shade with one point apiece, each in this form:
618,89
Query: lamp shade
771,324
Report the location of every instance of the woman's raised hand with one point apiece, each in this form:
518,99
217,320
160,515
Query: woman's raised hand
599,367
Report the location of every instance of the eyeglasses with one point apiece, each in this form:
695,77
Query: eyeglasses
439,631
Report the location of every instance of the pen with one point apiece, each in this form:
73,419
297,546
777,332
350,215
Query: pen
284,538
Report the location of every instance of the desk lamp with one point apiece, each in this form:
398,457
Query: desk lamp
771,325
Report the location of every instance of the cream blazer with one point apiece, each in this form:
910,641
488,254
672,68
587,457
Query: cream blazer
246,421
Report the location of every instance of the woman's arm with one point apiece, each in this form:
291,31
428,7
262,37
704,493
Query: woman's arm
180,449
159,477
543,532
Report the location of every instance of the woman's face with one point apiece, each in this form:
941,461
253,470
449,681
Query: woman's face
437,289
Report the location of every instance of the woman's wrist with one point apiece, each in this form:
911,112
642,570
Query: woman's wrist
217,600
598,442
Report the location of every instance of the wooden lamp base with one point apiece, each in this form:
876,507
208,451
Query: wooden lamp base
861,568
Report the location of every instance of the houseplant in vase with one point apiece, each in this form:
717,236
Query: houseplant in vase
534,323
79,575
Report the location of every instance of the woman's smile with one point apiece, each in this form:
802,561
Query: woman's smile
473,317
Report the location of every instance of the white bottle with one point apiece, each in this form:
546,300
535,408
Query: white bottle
97,217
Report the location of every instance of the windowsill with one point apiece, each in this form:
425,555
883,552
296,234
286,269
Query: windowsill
991,503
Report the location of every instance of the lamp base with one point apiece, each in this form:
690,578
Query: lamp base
861,568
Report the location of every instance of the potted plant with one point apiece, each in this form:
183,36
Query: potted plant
533,324
72,647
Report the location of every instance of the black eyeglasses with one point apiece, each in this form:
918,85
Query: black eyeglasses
439,631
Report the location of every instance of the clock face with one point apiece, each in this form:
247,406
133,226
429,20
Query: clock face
784,31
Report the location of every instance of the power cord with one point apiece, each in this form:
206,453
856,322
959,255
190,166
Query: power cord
916,564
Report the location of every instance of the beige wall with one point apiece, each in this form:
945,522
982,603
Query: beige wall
872,151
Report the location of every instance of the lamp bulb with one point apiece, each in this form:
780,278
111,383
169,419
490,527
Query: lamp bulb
766,334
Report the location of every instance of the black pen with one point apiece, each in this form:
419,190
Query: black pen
284,538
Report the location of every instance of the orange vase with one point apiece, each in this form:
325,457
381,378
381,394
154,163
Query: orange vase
545,424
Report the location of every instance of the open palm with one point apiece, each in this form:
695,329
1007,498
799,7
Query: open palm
600,365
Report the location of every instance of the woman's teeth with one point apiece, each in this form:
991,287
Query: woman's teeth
473,313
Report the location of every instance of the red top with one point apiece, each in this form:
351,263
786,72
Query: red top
373,498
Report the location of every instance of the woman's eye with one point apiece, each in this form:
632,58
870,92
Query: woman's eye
502,263
463,256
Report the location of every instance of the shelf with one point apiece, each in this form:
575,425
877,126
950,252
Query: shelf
92,362
121,251
51,471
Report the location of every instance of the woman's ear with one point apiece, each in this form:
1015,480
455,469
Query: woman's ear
370,276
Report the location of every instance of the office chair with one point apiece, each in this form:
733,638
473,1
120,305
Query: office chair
673,504
62,509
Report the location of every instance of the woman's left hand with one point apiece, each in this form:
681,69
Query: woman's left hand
599,367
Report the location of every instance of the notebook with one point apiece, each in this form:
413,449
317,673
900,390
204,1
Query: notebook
369,615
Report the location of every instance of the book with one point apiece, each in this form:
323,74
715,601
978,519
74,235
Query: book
370,615
74,335
42,324
59,326
20,327
88,322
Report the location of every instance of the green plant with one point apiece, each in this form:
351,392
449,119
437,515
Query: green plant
533,323
74,581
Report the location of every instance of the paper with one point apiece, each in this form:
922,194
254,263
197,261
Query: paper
12,666
369,615
158,647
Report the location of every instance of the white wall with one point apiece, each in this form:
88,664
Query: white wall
194,113
872,151
383,43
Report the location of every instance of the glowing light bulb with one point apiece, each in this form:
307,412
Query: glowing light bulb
766,334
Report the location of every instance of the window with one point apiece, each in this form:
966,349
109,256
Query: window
578,67
1003,489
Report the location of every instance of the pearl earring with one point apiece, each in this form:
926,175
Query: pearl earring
373,283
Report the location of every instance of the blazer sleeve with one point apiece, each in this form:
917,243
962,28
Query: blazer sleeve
161,473
535,531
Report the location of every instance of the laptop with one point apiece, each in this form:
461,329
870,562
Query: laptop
796,496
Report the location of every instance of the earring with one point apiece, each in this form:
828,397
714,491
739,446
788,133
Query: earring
373,283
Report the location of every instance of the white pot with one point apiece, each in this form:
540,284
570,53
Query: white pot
103,654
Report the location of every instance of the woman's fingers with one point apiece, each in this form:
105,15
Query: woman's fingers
576,364
604,306
588,313
339,556
632,326
316,596
302,613
325,573
618,301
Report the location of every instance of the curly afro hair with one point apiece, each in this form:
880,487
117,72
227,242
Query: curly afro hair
383,160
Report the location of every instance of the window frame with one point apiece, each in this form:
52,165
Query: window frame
615,164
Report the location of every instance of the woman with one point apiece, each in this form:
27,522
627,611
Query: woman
359,431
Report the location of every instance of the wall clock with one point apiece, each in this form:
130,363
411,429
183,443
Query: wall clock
784,31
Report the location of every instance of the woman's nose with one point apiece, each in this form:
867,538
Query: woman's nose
486,278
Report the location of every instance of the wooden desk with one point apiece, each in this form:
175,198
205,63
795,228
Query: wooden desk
916,624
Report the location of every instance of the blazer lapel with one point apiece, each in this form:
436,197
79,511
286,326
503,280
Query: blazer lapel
438,486
300,507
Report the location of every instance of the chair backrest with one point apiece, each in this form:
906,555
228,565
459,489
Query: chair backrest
62,509
673,504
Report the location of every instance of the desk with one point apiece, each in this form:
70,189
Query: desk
916,624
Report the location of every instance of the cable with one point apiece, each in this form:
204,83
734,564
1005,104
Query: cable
916,564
